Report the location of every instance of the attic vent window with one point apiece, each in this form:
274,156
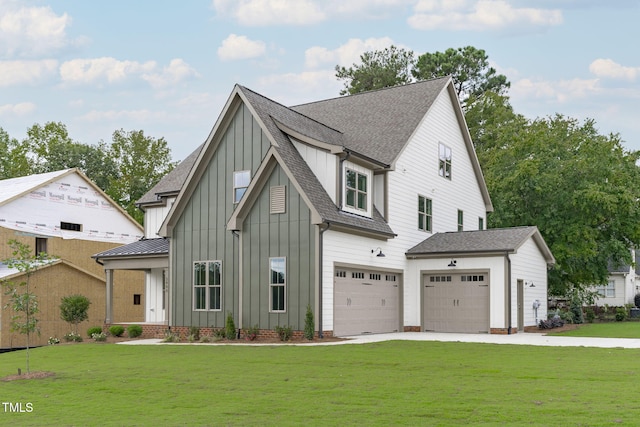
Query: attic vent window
70,226
277,201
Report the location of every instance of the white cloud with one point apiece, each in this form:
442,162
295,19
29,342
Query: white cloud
479,15
608,68
16,73
271,12
561,91
237,47
177,71
298,88
32,31
19,109
141,116
99,70
346,54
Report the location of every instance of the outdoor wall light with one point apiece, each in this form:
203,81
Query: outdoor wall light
380,254
452,263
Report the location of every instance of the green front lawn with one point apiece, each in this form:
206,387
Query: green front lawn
390,383
604,330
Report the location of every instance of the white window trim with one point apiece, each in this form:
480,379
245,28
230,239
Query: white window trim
363,171
234,187
207,287
604,290
272,285
448,160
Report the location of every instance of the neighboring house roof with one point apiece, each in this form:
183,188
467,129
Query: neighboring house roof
171,183
12,188
625,268
7,273
141,248
491,241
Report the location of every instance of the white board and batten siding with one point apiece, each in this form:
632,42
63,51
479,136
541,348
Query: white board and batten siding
528,265
323,164
154,217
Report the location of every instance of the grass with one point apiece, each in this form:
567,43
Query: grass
604,330
390,383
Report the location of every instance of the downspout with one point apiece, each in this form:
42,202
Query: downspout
237,234
320,267
508,291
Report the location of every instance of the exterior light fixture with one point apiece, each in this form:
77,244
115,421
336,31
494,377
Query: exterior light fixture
452,263
380,254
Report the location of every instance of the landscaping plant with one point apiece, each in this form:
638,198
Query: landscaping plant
75,309
94,330
134,331
309,327
230,327
116,330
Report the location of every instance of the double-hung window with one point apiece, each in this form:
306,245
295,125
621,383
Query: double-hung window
460,220
424,214
241,181
277,284
207,285
608,290
356,189
444,163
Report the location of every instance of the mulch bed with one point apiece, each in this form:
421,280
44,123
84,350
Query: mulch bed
29,376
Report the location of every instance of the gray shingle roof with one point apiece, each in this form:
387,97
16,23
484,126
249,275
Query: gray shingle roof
379,123
172,182
144,247
494,240
269,112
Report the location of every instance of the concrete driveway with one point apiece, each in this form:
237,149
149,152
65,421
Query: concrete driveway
516,339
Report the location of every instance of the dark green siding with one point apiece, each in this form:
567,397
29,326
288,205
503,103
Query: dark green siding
290,235
200,233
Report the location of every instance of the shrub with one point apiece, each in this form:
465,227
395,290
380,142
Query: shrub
219,333
72,337
251,333
590,314
94,330
309,326
636,300
576,309
134,331
116,330
230,327
205,338
554,322
284,332
99,336
567,316
194,333
621,314
170,336
53,341
74,309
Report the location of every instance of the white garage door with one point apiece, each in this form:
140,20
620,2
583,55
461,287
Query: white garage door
365,302
456,303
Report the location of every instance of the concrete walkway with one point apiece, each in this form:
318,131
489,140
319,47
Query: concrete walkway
516,339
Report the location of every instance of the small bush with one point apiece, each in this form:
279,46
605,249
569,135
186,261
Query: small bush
116,330
194,333
251,333
567,316
205,338
170,336
284,332
99,336
554,322
309,326
94,330
230,327
134,331
53,341
576,309
72,337
590,315
219,333
636,300
621,314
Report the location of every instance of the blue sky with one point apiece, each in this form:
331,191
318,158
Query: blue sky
167,67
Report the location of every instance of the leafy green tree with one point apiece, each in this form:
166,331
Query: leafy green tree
22,301
579,187
468,67
13,157
141,161
378,69
74,309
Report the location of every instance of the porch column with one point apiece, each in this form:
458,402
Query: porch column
109,298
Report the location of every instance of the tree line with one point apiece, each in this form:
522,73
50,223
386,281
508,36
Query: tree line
579,187
125,169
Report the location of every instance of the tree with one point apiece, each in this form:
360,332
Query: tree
141,161
13,157
74,309
468,67
379,69
579,187
22,301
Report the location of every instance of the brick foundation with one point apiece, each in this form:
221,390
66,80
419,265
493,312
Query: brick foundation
412,329
503,331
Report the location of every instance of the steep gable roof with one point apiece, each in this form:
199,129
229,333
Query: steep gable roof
491,241
13,188
171,183
379,123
